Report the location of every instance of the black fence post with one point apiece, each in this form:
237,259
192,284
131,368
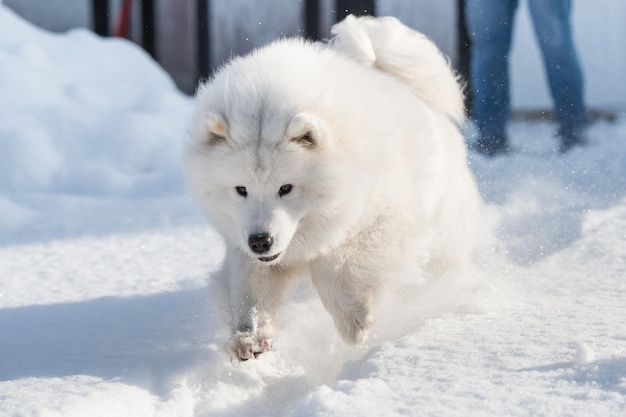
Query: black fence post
464,45
355,7
312,19
147,27
100,17
203,47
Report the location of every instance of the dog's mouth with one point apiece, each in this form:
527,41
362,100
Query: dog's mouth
269,258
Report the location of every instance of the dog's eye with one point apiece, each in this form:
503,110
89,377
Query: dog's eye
241,191
285,189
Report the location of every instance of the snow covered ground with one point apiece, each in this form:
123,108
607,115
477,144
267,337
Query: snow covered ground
105,265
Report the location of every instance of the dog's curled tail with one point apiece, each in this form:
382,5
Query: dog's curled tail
388,45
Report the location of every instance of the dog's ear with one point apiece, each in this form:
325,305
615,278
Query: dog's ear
307,130
214,129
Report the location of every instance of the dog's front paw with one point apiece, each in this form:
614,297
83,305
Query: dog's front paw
248,345
353,326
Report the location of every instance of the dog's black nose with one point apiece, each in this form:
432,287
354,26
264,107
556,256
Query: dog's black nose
260,243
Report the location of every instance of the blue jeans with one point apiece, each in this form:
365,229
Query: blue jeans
490,24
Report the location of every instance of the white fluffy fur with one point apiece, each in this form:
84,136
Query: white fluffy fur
364,129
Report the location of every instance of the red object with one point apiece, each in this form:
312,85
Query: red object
123,20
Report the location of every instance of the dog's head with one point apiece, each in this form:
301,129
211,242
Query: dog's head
258,179
274,153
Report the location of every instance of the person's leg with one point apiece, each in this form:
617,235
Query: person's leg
551,20
490,24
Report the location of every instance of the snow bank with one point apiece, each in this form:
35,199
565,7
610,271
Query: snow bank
84,115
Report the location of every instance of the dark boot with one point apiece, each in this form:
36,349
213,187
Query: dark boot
570,139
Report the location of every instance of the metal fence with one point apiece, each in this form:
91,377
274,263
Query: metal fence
206,21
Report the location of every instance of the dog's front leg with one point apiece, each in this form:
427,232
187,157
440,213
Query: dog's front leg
257,292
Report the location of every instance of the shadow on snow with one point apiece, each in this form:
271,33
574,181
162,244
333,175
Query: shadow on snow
134,338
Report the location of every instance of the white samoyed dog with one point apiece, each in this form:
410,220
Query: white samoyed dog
342,162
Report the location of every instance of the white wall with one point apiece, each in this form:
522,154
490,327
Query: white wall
600,35
65,14
238,26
